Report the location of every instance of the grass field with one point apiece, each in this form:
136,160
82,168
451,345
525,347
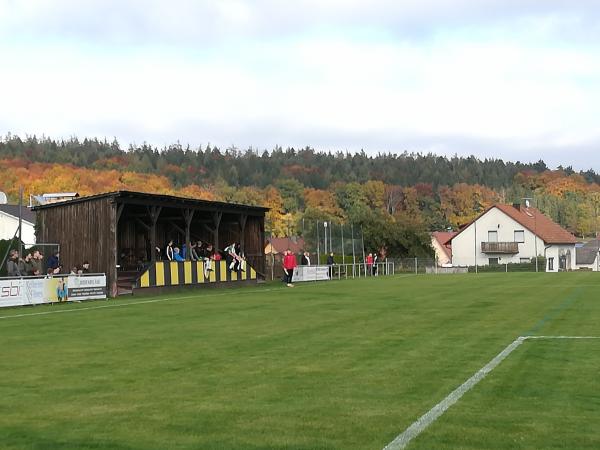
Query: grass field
338,365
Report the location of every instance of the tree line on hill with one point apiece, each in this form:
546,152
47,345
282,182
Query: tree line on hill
398,199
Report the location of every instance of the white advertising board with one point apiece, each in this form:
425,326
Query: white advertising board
311,273
35,291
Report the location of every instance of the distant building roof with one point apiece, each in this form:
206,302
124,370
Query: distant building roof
61,195
280,245
587,253
444,238
27,214
536,222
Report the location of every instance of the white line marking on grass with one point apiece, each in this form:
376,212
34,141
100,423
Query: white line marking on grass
157,300
402,440
562,337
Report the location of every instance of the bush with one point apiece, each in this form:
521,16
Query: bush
512,267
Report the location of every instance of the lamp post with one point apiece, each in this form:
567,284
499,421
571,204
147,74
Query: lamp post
477,208
535,238
325,227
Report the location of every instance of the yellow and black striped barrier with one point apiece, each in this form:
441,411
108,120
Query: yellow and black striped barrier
173,273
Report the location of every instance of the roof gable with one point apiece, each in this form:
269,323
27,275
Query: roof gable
13,210
534,221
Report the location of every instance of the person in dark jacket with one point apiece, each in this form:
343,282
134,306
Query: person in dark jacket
54,261
12,265
330,263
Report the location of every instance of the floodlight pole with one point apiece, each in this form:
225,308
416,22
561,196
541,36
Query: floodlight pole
21,222
318,246
325,229
535,238
475,254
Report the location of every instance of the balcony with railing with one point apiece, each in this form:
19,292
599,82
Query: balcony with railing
500,247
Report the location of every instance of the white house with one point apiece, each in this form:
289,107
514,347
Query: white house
513,234
9,222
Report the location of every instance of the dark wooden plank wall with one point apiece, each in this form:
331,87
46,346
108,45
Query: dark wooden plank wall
85,231
255,243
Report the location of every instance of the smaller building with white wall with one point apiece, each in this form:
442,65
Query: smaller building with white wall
440,242
505,234
588,256
9,222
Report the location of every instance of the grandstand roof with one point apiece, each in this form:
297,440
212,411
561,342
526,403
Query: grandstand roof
153,198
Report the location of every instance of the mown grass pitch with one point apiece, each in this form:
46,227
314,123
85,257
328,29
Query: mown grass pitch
338,365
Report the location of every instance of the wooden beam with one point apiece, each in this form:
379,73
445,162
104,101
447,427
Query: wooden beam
120,207
188,215
243,220
176,227
217,222
143,224
153,212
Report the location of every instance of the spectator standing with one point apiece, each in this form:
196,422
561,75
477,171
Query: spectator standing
289,263
305,261
169,250
26,265
375,258
330,263
370,262
12,265
85,267
36,263
54,262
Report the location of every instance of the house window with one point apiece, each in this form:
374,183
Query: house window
550,263
519,236
493,261
492,236
524,260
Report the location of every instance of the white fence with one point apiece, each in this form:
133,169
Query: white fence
39,290
342,271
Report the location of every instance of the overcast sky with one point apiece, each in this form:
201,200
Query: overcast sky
515,79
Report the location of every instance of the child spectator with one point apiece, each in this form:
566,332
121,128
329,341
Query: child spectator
61,290
177,256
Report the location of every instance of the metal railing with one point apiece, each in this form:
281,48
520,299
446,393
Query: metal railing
500,247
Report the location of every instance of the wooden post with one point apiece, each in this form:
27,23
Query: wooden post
153,212
217,222
243,220
188,215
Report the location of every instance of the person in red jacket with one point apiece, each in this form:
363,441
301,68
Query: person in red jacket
289,262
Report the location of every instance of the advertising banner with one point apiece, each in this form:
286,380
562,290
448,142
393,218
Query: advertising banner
35,291
86,288
311,273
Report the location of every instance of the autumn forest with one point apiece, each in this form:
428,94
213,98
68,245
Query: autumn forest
398,197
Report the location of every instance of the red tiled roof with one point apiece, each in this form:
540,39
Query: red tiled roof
282,244
536,222
444,238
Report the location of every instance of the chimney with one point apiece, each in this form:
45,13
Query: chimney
517,206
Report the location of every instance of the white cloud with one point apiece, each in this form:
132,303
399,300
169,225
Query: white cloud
492,87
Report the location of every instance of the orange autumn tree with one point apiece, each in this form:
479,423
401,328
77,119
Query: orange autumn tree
462,202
